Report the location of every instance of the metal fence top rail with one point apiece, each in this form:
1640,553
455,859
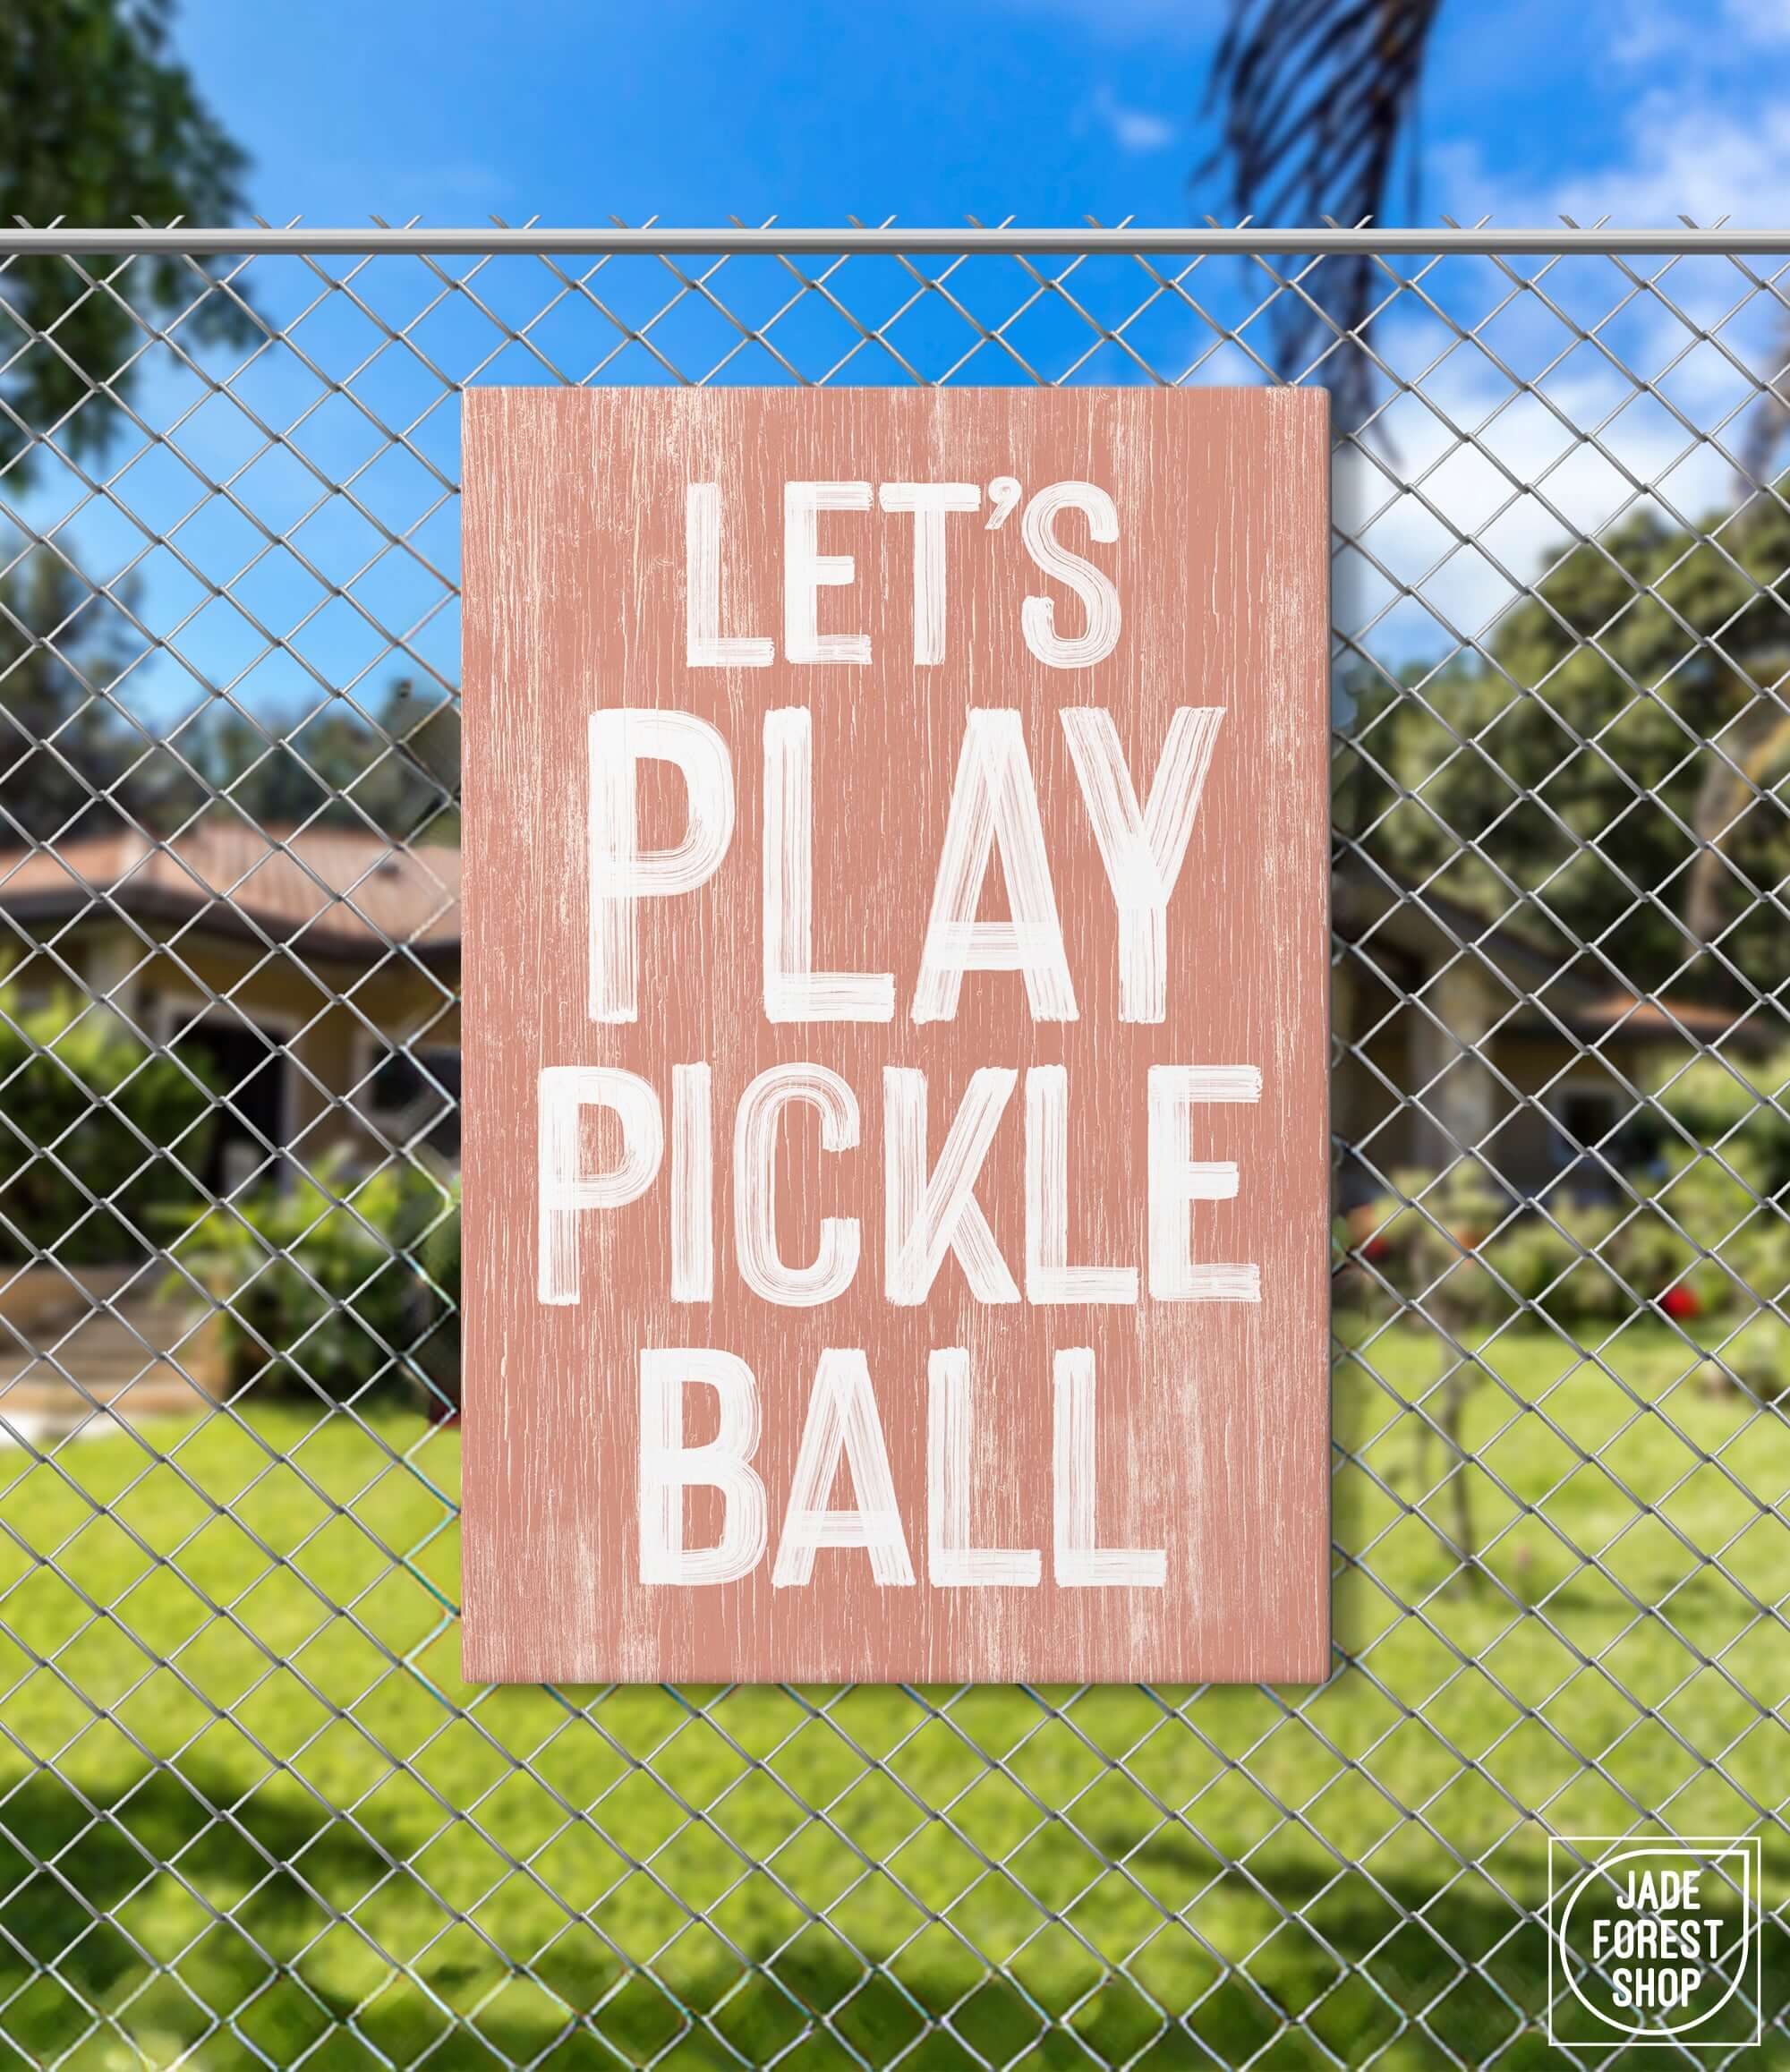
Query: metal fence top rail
1004,240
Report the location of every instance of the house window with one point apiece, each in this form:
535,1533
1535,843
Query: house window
414,1094
1590,1141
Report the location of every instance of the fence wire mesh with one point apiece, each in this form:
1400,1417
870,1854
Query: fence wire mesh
248,1811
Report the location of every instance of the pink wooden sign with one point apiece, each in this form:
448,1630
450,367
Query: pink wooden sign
896,1009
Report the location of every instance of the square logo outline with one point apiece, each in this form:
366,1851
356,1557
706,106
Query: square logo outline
1752,1846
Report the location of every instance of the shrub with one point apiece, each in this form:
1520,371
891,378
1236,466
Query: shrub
1424,1244
1561,1267
78,1092
1726,1193
321,1281
1759,1355
1755,1262
1740,1108
1577,1264
1710,1228
439,1353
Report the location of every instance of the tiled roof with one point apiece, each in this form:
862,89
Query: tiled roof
339,892
1555,985
1664,1017
328,890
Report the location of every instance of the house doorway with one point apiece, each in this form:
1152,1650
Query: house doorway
253,1116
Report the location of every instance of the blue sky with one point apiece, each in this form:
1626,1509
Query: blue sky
1044,109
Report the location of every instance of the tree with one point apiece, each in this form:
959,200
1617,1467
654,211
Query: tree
1638,694
69,762
1314,102
99,124
1622,759
396,771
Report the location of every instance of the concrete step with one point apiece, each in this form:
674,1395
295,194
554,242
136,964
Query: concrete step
127,1341
32,1408
140,1357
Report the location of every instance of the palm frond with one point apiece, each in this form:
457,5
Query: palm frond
1315,97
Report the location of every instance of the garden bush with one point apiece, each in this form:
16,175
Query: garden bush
77,1091
1427,1243
1728,1192
329,1284
1759,1355
1707,1234
438,1354
1568,1264
1744,1108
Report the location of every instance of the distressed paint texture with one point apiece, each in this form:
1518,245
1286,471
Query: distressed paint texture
1212,1418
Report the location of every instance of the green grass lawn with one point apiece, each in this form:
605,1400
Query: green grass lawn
289,1838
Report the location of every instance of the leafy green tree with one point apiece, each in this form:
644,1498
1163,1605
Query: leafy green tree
70,763
1317,103
102,1143
396,770
99,124
1621,767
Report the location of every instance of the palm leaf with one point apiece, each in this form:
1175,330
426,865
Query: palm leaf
1315,98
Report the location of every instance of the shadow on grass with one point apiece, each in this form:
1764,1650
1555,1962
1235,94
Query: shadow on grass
151,1906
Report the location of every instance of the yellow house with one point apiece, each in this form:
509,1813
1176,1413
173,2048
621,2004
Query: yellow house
1456,1035
317,971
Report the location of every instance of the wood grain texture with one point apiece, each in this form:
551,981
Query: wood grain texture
1212,1417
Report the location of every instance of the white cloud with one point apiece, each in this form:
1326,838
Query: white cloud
1609,446
1702,158
1134,130
1642,35
1684,153
1761,21
1704,131
1471,517
1704,39
1519,480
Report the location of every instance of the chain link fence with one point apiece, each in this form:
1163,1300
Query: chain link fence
248,1811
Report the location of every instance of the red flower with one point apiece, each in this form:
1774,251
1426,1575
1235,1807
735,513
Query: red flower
1680,1303
1377,1247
